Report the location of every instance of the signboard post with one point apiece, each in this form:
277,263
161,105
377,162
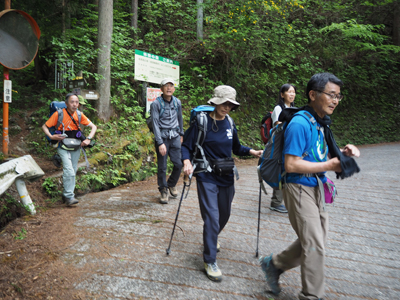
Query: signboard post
154,68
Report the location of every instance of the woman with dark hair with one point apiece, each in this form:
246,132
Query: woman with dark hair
286,96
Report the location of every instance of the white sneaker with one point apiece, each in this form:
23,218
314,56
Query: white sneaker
213,272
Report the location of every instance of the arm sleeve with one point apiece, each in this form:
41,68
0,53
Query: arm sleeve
85,120
297,136
155,115
180,118
275,114
52,121
237,148
189,142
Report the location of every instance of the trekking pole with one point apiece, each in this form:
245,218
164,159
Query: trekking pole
259,212
186,182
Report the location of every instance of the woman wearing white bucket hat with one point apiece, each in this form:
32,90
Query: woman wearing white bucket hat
215,189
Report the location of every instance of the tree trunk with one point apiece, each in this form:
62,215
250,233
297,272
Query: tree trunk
134,13
199,20
396,24
38,70
103,61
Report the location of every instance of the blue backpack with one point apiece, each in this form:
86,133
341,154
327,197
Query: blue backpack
199,115
160,99
271,162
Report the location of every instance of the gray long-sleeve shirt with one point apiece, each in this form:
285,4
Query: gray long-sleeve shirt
170,124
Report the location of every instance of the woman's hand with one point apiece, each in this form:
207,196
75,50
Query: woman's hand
187,167
256,153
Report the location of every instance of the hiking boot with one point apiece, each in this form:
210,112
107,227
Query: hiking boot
56,159
281,208
164,196
70,201
271,273
218,247
213,272
173,191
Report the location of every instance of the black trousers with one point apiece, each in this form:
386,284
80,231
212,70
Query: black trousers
174,152
215,207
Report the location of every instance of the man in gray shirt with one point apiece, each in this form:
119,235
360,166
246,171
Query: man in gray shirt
166,113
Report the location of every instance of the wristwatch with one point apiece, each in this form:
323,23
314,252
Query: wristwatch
89,138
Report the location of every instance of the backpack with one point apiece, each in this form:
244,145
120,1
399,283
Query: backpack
271,161
160,99
59,107
265,128
199,115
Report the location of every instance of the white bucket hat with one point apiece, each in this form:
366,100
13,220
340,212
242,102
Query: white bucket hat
222,94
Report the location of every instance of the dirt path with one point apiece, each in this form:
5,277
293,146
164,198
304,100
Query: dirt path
112,246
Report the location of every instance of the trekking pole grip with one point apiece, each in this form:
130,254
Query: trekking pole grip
186,180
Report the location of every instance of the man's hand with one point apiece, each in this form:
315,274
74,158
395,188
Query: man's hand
57,137
162,149
335,165
85,143
187,167
351,150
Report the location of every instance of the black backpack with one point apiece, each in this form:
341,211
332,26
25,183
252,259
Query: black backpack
271,161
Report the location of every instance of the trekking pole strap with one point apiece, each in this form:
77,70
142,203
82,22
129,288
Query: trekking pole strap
321,190
260,180
87,162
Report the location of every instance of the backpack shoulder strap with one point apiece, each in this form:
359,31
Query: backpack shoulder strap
162,104
60,117
175,102
202,122
230,122
79,113
313,126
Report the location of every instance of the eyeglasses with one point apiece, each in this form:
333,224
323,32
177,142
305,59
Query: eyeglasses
337,97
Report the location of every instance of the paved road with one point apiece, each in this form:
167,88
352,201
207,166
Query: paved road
124,233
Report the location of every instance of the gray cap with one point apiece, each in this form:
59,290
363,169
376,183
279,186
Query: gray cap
167,80
222,94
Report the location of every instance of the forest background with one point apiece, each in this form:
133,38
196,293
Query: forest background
254,46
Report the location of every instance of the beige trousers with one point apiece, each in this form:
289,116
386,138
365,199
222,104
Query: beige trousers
310,222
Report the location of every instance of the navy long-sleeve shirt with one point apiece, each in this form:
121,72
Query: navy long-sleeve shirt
218,144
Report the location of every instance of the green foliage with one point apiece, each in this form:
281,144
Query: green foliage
53,188
254,46
20,235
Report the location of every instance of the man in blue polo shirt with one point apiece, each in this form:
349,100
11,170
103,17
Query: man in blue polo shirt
301,193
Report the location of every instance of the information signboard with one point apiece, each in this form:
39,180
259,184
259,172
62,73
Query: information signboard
7,91
154,68
152,95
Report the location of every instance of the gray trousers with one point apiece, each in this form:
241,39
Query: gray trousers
174,152
310,222
277,198
70,166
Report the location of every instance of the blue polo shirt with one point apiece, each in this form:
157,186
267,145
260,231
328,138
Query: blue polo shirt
298,139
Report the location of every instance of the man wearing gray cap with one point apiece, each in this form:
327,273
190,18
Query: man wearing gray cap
166,113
